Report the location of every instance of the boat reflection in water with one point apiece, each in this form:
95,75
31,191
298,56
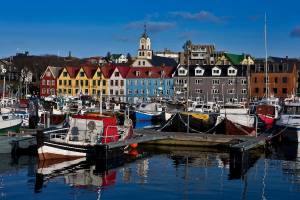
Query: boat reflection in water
289,154
82,173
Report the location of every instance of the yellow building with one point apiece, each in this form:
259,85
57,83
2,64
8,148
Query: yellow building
65,83
86,80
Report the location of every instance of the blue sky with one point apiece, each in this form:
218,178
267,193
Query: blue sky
94,27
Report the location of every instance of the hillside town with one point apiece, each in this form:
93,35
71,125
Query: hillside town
211,75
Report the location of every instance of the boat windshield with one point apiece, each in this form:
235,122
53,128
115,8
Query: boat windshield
292,110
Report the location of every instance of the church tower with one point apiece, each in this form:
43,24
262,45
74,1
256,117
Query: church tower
145,51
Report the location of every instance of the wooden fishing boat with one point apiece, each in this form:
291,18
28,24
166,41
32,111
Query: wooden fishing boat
86,135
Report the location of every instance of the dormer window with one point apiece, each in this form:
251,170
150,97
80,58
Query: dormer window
232,71
216,71
182,72
199,71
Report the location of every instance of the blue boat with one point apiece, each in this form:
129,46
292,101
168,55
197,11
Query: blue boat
148,112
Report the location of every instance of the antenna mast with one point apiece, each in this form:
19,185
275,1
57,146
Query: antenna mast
266,59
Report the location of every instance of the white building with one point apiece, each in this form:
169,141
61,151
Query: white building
117,83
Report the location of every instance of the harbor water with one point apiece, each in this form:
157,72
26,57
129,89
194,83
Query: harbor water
157,173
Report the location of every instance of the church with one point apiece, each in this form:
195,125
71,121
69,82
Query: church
145,57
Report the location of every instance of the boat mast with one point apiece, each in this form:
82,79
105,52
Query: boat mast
266,59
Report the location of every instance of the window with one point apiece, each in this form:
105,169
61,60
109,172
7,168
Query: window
86,91
142,82
81,74
266,79
111,82
48,82
81,82
244,91
86,82
69,91
60,82
65,74
198,81
53,82
199,91
182,72
111,92
122,82
255,80
77,82
144,63
121,92
216,71
94,82
215,81
129,92
99,82
65,82
231,91
232,71
104,82
284,90
284,80
70,82
137,73
117,92
117,74
275,90
142,91
215,91
48,90
276,80
43,91
116,82
103,91
98,74
44,82
199,72
230,81
136,91
256,90
244,81
136,82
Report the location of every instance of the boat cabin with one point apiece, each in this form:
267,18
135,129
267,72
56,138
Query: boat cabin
93,129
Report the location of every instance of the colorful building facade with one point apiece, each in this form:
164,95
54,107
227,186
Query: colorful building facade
48,81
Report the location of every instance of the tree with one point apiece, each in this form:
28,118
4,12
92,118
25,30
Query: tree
129,58
108,55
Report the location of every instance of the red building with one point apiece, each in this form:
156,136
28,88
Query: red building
48,81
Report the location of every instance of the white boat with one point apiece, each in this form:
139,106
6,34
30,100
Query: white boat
238,115
86,133
289,121
9,122
201,107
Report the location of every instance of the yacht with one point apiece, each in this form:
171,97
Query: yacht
289,121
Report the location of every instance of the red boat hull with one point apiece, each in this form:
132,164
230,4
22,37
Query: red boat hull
268,120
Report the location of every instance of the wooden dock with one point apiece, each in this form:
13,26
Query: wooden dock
143,136
236,142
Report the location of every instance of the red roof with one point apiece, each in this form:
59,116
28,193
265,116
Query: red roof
107,70
89,71
123,70
72,71
150,72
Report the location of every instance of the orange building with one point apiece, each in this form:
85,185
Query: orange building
282,78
